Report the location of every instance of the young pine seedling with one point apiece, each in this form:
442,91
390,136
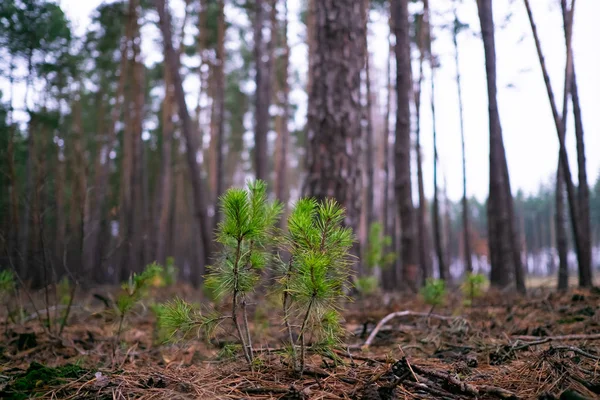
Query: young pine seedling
245,235
473,287
133,291
177,319
434,293
7,286
314,280
376,254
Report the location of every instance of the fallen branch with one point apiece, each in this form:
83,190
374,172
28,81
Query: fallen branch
399,314
595,336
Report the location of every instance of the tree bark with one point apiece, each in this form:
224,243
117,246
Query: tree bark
423,232
219,114
370,163
191,140
584,265
464,201
402,146
583,193
283,134
505,257
334,110
165,185
262,95
93,244
561,232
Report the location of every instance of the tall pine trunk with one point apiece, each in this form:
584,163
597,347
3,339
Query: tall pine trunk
334,110
262,94
583,192
191,139
561,231
283,134
585,276
402,146
423,231
505,256
464,201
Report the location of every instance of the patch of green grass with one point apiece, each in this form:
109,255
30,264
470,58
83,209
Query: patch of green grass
39,376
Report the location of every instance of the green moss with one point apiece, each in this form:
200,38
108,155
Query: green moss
38,376
571,320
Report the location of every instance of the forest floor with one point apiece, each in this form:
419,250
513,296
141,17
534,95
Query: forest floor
504,346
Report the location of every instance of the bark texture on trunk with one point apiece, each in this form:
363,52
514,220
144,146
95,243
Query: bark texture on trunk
283,134
402,146
165,186
504,252
191,139
585,275
334,110
464,200
262,95
561,231
583,192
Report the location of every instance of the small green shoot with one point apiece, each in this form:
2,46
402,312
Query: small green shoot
473,287
133,291
434,292
367,285
376,255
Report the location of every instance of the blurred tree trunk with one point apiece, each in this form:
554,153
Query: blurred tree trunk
388,275
423,232
334,110
199,193
13,239
402,147
78,208
464,201
561,232
583,193
217,167
504,253
283,134
136,231
165,186
311,41
262,94
370,163
95,240
585,274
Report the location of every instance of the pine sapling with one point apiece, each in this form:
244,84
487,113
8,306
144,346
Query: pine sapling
472,287
434,293
133,291
314,280
245,234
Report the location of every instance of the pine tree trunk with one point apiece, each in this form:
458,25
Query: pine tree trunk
583,193
199,193
94,243
561,232
283,134
262,95
505,258
334,110
584,264
464,201
219,114
423,232
165,186
402,147
370,163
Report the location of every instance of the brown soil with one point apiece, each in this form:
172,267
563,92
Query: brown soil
539,347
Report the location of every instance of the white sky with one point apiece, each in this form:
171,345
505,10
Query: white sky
529,135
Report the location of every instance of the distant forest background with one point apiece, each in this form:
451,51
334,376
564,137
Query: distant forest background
108,168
